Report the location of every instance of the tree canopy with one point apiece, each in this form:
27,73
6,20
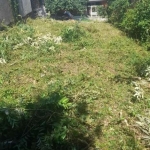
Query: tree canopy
57,5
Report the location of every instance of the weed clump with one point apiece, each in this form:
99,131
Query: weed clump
72,33
23,37
12,37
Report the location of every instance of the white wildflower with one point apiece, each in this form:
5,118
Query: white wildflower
147,71
18,46
29,38
20,110
52,48
139,92
2,61
25,41
42,75
58,40
6,38
34,44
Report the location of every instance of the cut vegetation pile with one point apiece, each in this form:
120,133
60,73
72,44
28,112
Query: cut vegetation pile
73,86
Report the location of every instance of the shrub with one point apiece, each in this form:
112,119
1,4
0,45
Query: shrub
141,65
72,33
116,11
102,11
136,21
55,6
44,124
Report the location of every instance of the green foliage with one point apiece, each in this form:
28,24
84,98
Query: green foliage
116,11
132,18
12,37
136,21
102,11
32,124
61,5
45,125
88,99
72,33
22,37
141,65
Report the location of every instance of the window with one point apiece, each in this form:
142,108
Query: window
93,9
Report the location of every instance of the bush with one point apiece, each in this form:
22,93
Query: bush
136,21
59,6
45,124
102,11
72,33
33,124
116,11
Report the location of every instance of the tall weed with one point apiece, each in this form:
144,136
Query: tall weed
72,33
13,37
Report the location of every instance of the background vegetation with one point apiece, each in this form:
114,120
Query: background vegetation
133,18
76,6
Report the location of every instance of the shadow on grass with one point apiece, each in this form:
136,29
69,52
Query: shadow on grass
49,123
121,79
127,80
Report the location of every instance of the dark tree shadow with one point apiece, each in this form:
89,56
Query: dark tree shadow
48,123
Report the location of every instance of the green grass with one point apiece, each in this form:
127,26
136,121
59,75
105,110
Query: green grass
94,72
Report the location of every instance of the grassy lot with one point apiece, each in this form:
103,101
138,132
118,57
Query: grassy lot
95,66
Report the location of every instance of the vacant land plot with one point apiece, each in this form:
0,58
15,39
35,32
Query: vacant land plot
101,74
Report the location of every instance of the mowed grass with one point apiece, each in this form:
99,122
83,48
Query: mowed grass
95,72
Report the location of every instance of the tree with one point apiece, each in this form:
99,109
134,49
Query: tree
116,11
55,6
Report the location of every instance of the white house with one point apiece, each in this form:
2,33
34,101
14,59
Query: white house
92,6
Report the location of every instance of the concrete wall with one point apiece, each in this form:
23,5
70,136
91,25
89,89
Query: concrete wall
35,4
24,7
6,15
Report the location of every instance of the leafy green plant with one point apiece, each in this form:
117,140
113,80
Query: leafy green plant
14,36
23,37
61,5
46,123
136,21
35,125
141,65
116,11
102,11
72,33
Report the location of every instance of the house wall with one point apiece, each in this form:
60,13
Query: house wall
35,4
24,7
6,15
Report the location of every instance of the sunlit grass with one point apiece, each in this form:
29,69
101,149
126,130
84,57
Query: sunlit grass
98,74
